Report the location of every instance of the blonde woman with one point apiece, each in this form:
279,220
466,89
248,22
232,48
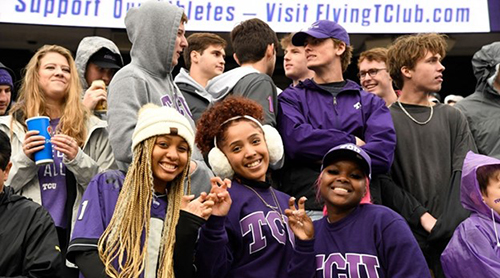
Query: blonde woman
127,222
51,87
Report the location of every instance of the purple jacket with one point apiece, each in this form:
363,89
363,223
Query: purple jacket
311,121
474,250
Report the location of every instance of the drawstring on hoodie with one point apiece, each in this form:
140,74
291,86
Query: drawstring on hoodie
495,226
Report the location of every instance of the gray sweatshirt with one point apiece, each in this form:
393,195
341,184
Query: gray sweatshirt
152,29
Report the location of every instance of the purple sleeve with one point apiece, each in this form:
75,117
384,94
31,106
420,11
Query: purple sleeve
94,214
213,255
303,260
403,255
301,140
379,136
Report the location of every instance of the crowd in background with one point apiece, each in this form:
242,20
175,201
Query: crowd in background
214,173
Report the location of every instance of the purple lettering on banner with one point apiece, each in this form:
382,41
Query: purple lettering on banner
354,260
252,223
276,226
371,263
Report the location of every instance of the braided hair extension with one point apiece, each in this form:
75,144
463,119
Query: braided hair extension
121,240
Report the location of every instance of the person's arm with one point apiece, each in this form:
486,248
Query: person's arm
301,139
213,254
186,234
42,254
402,254
399,200
126,96
90,265
379,135
303,262
98,159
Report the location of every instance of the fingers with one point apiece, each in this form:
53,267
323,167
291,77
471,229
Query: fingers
216,181
66,145
227,183
185,200
302,203
291,203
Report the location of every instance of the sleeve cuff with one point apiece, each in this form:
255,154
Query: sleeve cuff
304,246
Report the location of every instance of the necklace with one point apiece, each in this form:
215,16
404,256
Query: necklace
413,119
276,208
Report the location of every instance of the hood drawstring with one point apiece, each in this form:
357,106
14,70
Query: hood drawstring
495,226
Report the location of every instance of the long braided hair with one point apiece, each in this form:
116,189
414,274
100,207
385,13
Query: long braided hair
122,239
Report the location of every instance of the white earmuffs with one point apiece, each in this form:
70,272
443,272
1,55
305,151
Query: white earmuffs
219,162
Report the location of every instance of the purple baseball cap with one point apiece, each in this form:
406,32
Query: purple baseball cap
349,151
322,29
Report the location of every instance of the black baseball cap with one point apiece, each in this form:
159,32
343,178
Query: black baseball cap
105,58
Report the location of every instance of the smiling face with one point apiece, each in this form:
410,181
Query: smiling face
169,158
342,186
180,44
427,76
246,149
380,83
54,76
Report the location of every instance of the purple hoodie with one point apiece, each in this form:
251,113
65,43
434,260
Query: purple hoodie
311,121
474,250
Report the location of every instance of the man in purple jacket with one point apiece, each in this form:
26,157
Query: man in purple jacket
327,111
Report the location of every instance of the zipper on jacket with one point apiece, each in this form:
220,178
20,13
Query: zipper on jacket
336,112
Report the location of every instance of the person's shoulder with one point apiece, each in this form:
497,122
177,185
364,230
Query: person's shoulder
379,213
108,180
253,78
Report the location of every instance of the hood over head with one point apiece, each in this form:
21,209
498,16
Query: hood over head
89,46
470,194
485,65
152,29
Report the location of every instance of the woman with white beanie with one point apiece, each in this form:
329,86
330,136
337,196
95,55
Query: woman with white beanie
126,225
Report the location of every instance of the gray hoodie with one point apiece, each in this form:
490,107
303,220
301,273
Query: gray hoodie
87,47
196,96
250,83
482,108
152,29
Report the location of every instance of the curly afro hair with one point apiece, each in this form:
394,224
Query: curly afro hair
209,124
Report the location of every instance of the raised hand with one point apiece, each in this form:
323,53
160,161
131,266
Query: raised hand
201,206
95,93
221,196
298,220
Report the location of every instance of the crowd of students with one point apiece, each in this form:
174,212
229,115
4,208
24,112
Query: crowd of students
222,174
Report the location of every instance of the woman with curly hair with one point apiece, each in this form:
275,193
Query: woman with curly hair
252,237
127,222
51,87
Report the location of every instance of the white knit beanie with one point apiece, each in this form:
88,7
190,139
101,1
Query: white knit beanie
154,120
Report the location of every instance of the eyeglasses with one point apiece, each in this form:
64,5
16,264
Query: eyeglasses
370,72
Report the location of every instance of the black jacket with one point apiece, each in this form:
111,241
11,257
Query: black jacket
28,239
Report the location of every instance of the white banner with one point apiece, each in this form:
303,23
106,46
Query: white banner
357,16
